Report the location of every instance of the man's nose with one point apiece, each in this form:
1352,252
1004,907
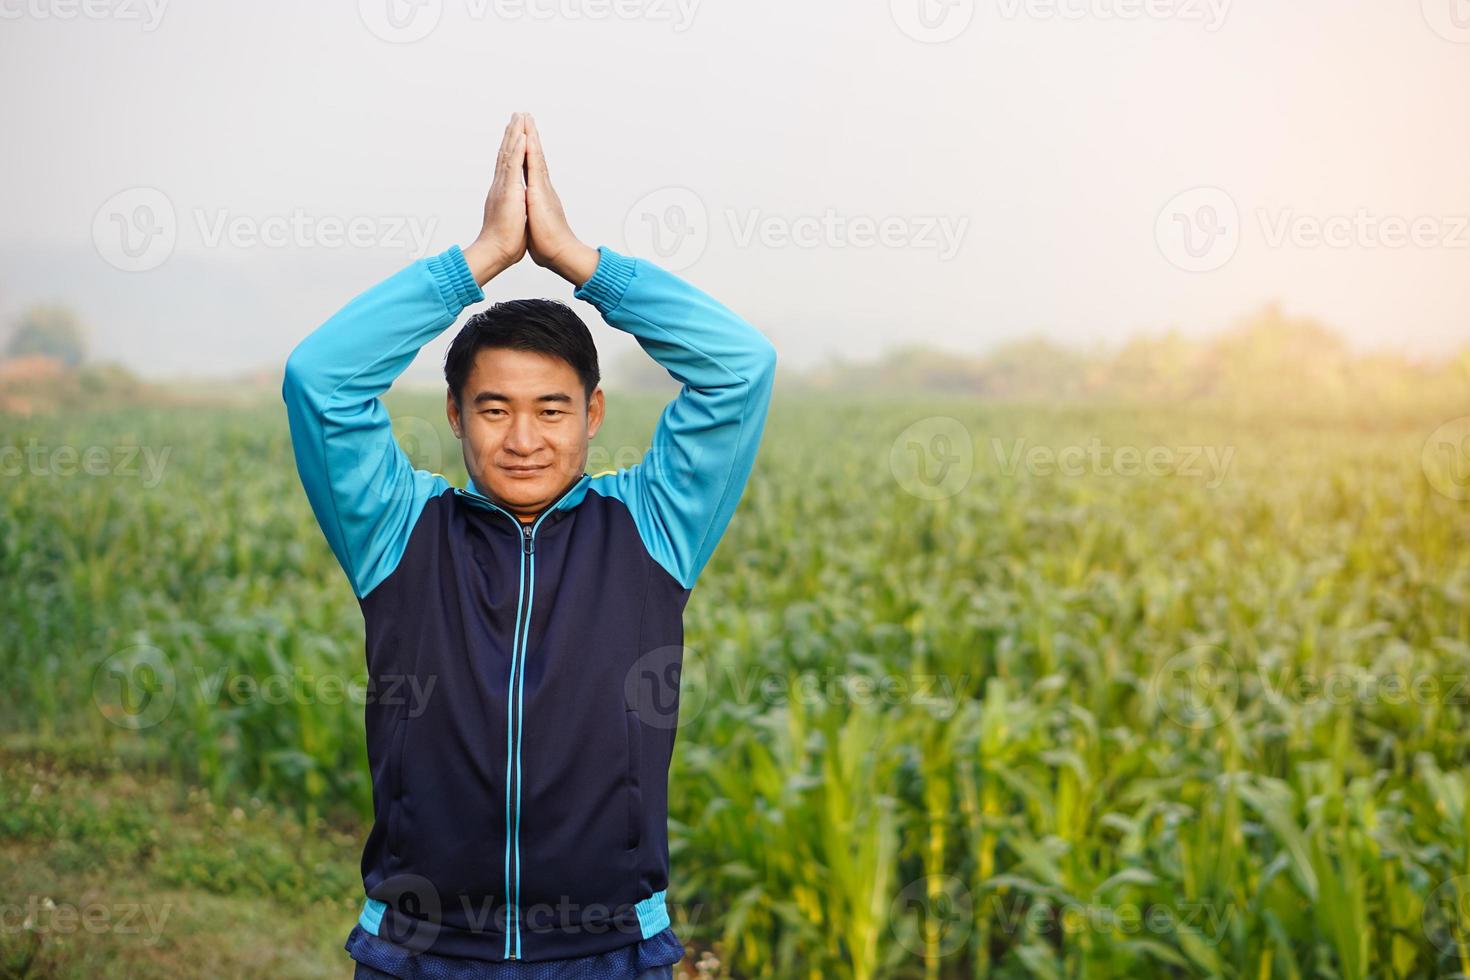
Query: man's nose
523,438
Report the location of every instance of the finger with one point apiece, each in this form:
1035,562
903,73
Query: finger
507,141
535,156
504,181
516,165
512,159
526,157
511,128
512,156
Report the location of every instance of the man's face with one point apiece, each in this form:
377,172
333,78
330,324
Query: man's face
524,427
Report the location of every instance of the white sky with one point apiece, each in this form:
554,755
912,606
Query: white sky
1048,137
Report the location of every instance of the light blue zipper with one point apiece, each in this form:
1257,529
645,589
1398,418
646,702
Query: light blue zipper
519,642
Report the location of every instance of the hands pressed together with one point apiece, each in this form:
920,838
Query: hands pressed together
523,214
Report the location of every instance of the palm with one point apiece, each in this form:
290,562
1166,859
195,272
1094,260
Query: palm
505,218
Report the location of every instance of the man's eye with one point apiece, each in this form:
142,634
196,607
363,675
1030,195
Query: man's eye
553,411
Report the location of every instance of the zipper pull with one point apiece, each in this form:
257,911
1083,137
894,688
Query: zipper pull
526,537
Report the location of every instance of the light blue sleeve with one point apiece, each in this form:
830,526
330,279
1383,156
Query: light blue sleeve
364,491
685,489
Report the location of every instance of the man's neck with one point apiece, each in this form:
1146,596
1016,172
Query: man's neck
523,516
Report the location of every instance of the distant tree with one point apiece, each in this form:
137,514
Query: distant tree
1032,367
1271,358
1267,361
1166,366
51,330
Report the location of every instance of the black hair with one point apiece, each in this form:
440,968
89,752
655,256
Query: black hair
542,326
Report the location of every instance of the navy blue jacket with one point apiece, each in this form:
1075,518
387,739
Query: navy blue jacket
520,801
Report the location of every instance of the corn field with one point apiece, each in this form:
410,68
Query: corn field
970,690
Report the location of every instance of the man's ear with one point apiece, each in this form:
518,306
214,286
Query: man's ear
452,410
595,409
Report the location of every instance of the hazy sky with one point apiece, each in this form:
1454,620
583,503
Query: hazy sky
847,176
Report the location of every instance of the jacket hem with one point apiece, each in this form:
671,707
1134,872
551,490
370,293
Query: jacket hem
439,938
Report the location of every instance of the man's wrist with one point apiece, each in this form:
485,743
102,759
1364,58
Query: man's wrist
484,259
577,263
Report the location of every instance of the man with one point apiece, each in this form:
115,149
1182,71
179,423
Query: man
520,803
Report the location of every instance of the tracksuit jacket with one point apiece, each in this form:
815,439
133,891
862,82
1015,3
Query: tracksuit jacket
520,806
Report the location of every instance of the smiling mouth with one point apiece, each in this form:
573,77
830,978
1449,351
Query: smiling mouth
522,470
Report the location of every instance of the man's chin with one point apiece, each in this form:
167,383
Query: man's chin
526,492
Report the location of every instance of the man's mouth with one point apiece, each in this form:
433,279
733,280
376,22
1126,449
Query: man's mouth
523,470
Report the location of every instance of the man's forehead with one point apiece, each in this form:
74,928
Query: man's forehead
502,374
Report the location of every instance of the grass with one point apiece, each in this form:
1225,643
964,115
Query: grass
109,874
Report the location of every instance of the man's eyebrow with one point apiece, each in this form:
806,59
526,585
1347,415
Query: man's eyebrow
495,396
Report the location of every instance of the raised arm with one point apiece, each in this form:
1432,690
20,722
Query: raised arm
684,491
365,493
